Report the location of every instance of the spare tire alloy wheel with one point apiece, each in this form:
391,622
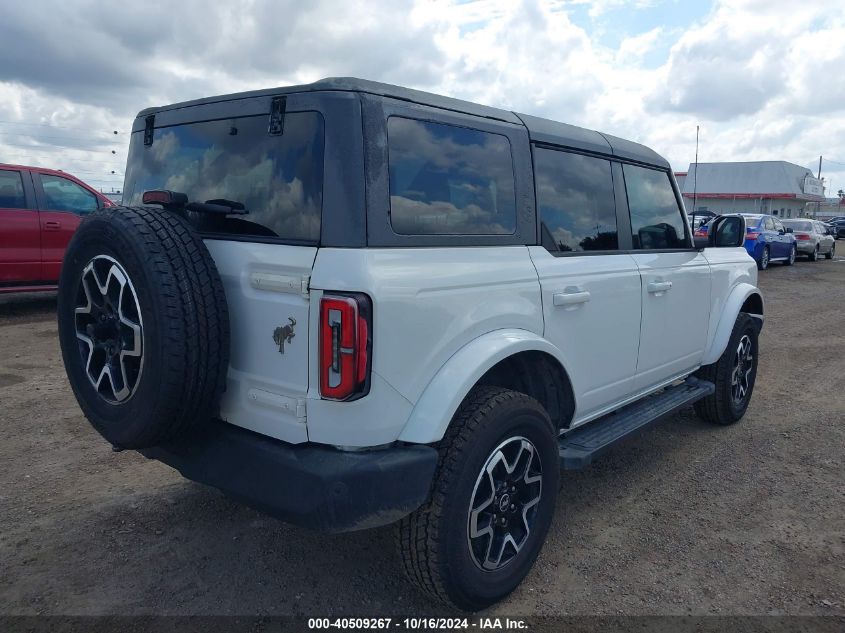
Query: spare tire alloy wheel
110,329
504,503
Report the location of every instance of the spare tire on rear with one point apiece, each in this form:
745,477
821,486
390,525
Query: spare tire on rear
143,325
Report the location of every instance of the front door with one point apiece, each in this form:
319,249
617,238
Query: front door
20,241
590,290
675,280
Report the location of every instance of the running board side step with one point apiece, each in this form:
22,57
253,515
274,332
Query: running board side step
580,446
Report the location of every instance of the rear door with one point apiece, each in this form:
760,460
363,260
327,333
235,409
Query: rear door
62,204
20,239
590,290
675,279
265,257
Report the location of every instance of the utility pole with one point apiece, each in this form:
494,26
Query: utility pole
695,180
818,204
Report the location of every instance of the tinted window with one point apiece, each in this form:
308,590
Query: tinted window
279,179
62,194
449,180
799,226
576,202
11,190
656,219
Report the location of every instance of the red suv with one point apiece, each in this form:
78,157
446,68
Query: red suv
39,211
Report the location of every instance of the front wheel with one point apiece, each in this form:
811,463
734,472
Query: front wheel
831,252
492,501
733,374
763,262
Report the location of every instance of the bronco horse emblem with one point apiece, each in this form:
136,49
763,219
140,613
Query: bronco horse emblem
284,334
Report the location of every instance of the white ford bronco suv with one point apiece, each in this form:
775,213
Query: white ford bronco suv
350,304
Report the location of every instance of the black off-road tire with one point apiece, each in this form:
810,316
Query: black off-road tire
184,324
721,407
433,542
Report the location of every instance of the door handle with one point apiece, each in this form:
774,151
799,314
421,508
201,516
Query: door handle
51,225
570,298
659,286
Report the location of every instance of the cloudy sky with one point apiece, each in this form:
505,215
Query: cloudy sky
763,78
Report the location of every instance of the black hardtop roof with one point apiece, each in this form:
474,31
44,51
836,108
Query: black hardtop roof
539,129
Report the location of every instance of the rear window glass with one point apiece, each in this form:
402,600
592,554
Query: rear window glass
278,179
449,180
799,226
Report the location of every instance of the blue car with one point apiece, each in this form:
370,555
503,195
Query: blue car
766,240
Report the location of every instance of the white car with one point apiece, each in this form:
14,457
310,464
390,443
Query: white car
351,304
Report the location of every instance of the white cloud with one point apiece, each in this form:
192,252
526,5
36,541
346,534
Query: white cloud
759,76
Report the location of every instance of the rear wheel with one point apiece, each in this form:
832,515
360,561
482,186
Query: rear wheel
492,501
763,262
814,255
831,252
733,375
791,259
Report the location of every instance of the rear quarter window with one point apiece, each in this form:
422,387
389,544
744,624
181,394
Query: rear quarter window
449,180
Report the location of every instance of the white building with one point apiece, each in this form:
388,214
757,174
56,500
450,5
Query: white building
775,187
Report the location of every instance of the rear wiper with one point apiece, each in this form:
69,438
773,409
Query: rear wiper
176,201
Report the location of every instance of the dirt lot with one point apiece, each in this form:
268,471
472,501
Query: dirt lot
684,519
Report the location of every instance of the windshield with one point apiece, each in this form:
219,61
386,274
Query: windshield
278,179
799,226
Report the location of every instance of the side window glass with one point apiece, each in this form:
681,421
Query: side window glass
778,225
11,190
770,224
656,219
575,201
65,195
449,180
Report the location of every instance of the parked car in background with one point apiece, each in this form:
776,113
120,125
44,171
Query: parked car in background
39,211
838,228
812,238
766,239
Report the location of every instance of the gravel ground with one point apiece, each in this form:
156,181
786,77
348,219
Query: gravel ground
684,519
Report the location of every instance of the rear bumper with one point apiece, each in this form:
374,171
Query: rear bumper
805,246
313,486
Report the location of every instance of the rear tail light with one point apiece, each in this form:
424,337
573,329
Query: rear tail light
345,346
802,236
751,234
701,233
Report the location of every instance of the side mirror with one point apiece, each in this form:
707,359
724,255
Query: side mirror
788,230
727,231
